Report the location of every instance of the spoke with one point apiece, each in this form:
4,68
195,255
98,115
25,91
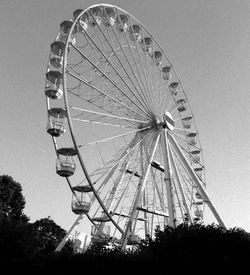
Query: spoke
95,103
121,63
170,102
179,183
107,77
178,106
102,123
111,138
196,180
136,141
127,152
153,72
184,130
84,56
108,115
178,199
111,81
150,91
138,197
180,137
168,179
152,95
104,94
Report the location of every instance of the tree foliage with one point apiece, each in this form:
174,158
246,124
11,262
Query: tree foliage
19,238
48,235
12,202
195,247
200,244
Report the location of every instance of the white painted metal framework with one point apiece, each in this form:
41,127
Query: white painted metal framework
122,127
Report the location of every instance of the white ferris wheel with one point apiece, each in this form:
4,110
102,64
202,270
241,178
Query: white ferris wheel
122,127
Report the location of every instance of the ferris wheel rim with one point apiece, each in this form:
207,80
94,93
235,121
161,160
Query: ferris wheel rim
65,89
167,123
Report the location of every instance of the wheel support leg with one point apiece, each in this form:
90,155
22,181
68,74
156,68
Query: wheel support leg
64,240
196,181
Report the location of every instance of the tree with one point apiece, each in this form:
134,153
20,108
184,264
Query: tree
48,235
12,201
17,240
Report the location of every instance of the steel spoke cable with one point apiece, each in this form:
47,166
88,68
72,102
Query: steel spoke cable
127,185
151,94
132,70
128,151
126,72
111,138
147,57
178,198
157,95
100,91
151,70
108,78
143,110
115,85
185,169
190,182
162,95
108,115
104,119
142,70
102,123
151,97
188,143
106,95
179,105
179,182
147,89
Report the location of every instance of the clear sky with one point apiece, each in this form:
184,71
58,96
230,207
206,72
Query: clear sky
208,44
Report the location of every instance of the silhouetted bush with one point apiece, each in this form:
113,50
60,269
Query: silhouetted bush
173,251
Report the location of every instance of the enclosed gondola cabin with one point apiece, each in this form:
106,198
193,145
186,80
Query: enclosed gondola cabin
65,28
181,105
198,213
198,196
196,156
108,16
166,72
95,16
56,122
82,21
186,121
133,239
122,23
66,162
80,201
191,137
147,43
53,88
200,203
80,207
82,188
100,233
135,33
56,54
76,13
173,88
199,171
157,57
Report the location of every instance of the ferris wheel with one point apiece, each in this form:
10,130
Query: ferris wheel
123,130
